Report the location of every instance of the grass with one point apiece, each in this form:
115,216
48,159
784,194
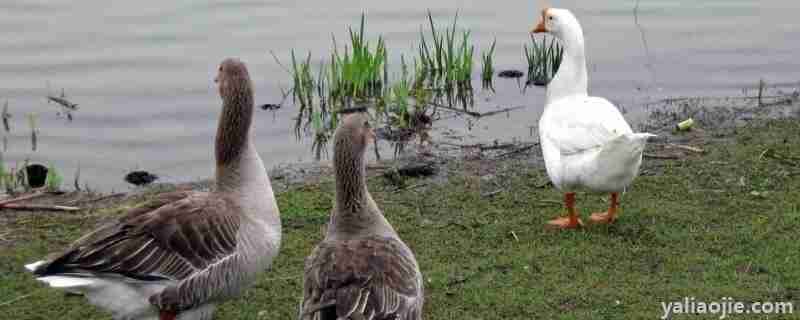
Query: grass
446,63
53,180
487,67
357,76
543,60
358,73
719,225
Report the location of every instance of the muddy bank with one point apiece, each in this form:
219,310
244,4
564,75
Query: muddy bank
714,120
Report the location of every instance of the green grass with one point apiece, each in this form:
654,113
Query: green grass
357,76
543,59
446,63
487,67
719,225
357,73
53,180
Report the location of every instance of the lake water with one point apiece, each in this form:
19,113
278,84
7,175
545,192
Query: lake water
142,71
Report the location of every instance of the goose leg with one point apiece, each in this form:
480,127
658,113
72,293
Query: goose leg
609,216
571,221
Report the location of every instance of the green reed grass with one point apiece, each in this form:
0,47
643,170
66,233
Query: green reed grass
446,63
53,180
303,91
359,72
487,64
543,60
356,75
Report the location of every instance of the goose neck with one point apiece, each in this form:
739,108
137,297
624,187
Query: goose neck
234,150
571,78
355,212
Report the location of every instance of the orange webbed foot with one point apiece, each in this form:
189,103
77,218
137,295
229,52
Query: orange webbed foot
609,216
565,223
603,218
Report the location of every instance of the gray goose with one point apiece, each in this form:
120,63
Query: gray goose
182,253
361,269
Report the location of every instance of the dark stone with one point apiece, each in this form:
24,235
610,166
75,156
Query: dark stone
140,178
36,174
270,106
510,74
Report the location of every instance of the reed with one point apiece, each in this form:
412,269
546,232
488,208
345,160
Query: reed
53,180
543,60
356,75
446,64
359,72
33,120
487,67
302,91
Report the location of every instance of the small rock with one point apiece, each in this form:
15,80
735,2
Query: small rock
270,106
510,74
140,178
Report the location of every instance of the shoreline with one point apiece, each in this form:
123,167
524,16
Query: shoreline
714,216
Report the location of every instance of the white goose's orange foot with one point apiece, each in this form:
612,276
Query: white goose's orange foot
565,223
603,218
609,216
571,221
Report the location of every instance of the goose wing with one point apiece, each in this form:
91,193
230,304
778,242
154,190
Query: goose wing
172,237
579,124
369,278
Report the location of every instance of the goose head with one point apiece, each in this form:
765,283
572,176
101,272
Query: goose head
560,23
233,80
353,136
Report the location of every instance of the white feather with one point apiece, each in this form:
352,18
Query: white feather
33,266
586,142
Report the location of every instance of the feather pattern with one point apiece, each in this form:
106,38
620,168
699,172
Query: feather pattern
368,278
171,242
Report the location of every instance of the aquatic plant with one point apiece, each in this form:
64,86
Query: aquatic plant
543,60
445,64
53,180
302,91
487,70
356,76
32,121
359,72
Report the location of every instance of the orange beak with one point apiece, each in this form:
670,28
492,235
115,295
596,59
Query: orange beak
540,27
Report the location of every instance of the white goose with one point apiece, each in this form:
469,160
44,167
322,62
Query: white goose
181,254
586,143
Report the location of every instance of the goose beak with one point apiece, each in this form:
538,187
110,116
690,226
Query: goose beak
539,28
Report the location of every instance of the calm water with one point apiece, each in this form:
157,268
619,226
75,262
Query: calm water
142,71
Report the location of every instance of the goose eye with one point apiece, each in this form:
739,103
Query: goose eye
550,17
220,68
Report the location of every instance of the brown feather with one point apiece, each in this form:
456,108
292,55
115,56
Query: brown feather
173,236
375,276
